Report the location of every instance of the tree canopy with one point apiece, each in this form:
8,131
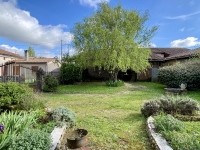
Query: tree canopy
31,51
113,38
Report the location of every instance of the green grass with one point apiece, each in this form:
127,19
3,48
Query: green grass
110,114
88,88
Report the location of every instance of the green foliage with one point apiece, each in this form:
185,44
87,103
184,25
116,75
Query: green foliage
70,73
183,140
113,39
150,108
167,123
171,105
114,83
12,93
64,116
31,51
14,124
184,72
175,132
51,83
178,104
46,127
33,102
31,140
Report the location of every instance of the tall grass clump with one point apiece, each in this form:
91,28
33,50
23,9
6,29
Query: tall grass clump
174,131
14,123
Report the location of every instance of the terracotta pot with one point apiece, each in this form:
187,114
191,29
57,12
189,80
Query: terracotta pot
77,138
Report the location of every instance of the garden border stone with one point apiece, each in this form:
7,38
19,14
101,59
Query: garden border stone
158,142
56,136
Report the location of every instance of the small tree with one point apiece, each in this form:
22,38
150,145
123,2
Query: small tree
113,39
31,51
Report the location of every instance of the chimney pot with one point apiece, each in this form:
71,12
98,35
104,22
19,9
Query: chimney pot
26,55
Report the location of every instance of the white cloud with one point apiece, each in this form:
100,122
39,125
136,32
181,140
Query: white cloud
92,3
152,45
188,42
69,49
18,25
12,49
183,17
182,29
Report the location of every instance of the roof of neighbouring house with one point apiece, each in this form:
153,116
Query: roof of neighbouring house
162,54
6,53
35,60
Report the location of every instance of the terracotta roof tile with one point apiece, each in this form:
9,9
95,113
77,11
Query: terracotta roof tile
6,53
169,53
35,60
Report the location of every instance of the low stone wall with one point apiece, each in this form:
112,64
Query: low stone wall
175,91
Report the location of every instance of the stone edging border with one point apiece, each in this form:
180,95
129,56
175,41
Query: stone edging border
57,135
158,142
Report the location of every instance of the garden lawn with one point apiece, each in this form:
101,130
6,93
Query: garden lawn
110,114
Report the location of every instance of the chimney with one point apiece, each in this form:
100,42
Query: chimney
26,55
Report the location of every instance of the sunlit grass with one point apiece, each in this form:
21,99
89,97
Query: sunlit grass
110,114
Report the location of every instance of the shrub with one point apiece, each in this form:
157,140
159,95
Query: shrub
51,83
30,140
63,116
70,73
33,102
185,72
14,123
12,93
114,84
177,104
150,108
171,105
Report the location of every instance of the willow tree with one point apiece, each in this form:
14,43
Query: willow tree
113,39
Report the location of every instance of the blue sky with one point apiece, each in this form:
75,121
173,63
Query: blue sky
42,24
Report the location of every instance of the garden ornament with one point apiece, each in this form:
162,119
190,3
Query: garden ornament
183,86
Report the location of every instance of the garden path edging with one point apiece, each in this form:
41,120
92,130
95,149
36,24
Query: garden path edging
158,142
56,136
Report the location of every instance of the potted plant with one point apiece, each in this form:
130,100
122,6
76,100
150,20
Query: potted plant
77,138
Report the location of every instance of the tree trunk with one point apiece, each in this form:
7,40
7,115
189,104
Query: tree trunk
114,75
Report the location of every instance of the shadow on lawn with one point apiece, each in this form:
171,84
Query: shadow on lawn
134,117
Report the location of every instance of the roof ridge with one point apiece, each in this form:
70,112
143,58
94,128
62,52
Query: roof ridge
5,52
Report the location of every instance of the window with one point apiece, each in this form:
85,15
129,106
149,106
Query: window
16,70
34,68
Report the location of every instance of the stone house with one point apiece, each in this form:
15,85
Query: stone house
163,57
6,56
27,67
159,57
